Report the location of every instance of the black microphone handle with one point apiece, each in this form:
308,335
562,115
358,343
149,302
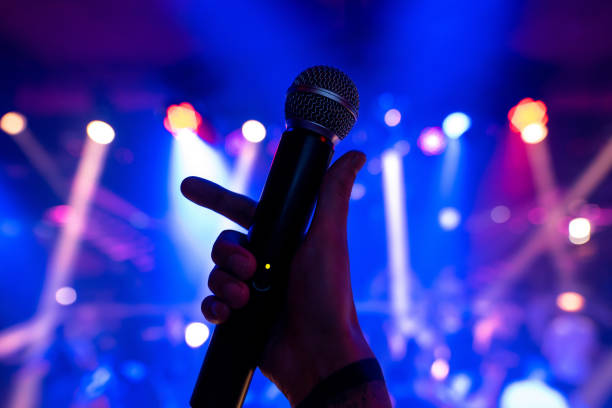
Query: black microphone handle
281,218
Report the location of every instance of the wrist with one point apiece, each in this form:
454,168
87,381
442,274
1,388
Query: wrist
359,382
320,356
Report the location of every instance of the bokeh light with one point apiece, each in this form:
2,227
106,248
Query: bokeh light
186,136
196,334
531,394
570,301
500,214
534,133
402,147
449,218
439,369
579,231
134,370
460,385
182,116
358,191
10,227
527,112
393,117
97,382
253,131
456,124
65,296
432,141
100,132
13,123
58,214
374,166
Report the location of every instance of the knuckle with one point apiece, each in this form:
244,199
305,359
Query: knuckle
241,265
214,280
223,245
218,247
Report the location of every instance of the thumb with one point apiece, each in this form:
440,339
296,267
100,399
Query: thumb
332,206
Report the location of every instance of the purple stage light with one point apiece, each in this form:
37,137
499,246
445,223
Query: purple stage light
432,141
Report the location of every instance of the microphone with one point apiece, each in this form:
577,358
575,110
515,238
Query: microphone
321,108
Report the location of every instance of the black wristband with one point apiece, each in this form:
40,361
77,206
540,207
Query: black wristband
350,376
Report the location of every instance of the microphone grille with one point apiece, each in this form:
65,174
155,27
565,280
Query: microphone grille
324,96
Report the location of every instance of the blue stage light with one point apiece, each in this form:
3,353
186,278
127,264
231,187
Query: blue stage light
194,229
358,191
456,124
449,218
253,131
97,382
134,370
196,334
531,394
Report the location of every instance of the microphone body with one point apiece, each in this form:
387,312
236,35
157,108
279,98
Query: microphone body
320,109
281,218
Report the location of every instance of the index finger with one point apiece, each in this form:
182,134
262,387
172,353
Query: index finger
234,206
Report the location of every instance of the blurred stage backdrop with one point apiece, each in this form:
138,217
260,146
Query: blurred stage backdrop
480,228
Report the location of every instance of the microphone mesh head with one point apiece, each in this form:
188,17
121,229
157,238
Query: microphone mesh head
307,105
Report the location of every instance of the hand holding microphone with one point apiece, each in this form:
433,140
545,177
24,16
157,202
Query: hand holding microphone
282,300
319,333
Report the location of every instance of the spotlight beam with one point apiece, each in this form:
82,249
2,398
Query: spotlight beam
42,162
449,167
592,176
515,267
194,229
547,195
597,389
59,270
239,182
48,169
241,175
82,191
400,274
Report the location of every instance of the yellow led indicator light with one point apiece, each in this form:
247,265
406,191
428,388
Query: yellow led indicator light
267,266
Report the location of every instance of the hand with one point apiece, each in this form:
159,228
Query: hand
320,333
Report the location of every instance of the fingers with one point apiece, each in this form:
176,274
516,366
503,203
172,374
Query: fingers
231,291
229,254
214,310
236,207
235,264
332,205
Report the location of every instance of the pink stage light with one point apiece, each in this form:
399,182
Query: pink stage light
432,141
59,214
